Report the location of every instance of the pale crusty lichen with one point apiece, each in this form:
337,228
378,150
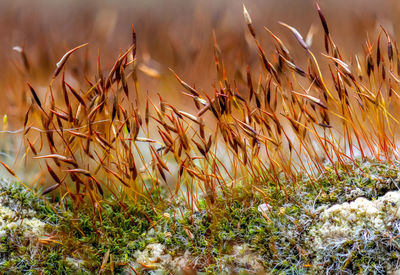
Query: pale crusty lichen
346,220
154,256
242,260
358,236
10,220
14,217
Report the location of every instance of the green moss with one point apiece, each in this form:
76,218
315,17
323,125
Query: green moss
278,236
76,233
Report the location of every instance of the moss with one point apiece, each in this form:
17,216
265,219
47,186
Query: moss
278,236
78,233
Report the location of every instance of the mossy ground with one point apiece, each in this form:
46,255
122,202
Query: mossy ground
277,236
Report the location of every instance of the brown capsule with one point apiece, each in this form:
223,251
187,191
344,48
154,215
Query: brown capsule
27,116
201,125
390,50
323,20
133,42
9,169
35,96
116,175
64,59
185,85
53,174
51,188
249,23
32,147
59,115
297,35
200,148
77,96
378,53
370,65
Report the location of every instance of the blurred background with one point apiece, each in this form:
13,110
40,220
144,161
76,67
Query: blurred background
173,34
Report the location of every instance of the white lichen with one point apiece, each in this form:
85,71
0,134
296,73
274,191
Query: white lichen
243,260
157,258
264,207
12,220
348,220
154,256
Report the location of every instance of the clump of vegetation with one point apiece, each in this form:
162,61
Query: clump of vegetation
245,235
250,166
70,240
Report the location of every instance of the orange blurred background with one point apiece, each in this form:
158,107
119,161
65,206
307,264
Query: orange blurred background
171,34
